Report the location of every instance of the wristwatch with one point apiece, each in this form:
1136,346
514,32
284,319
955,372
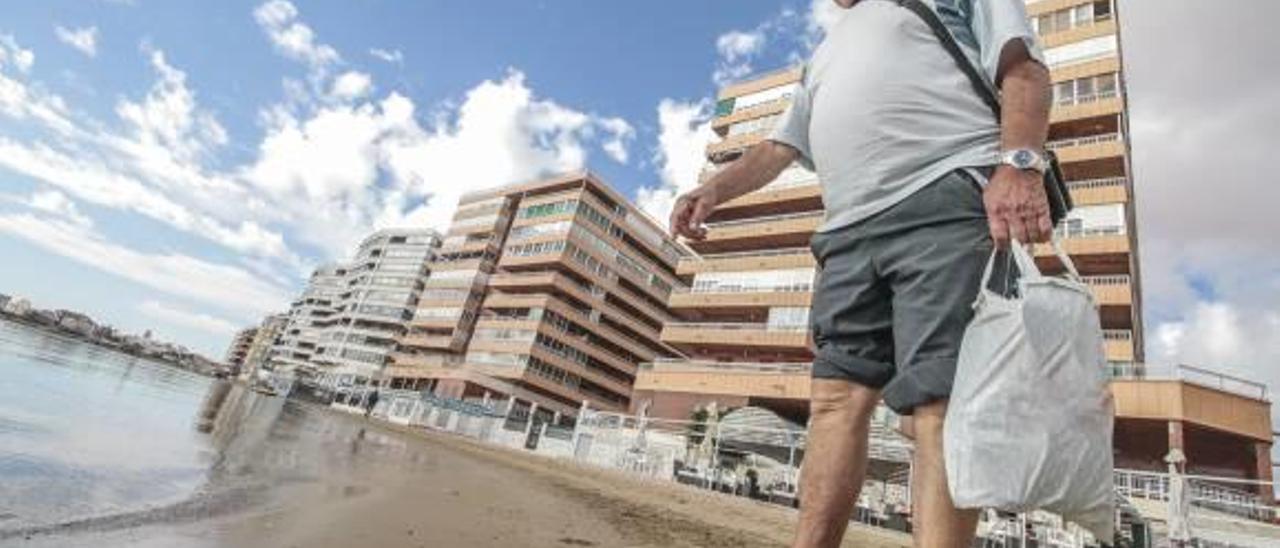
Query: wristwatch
1024,158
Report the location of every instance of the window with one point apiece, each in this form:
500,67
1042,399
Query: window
544,210
788,317
1080,52
1102,10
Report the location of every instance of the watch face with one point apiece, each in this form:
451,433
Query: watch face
1023,158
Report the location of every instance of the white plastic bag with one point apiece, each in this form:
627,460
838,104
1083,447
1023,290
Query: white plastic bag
1029,422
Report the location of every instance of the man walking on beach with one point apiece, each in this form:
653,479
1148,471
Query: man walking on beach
918,180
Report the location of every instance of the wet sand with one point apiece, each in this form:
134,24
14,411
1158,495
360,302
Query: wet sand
310,477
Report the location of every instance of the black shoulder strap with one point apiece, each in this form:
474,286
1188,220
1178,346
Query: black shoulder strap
948,41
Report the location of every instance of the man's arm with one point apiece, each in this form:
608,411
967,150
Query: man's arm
1015,199
761,163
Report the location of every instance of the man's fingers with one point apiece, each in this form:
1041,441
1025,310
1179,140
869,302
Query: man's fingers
1046,226
678,213
999,232
1017,231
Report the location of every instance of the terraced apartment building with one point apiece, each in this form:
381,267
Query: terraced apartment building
743,319
239,348
303,330
550,292
372,309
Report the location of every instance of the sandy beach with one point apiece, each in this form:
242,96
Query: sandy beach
310,477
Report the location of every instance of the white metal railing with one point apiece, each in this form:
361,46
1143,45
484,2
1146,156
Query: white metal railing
1084,99
1117,334
767,219
731,326
1205,491
1191,375
1066,231
677,364
734,289
1081,141
1114,279
1096,183
1083,59
754,254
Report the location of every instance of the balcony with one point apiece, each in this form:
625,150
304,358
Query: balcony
784,380
736,335
429,341
1112,290
1200,396
779,197
1110,190
1117,345
1093,147
742,261
737,143
1093,253
1088,106
1105,65
762,82
721,123
711,301
774,231
1095,29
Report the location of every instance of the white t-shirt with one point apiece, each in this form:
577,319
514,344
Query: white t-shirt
883,110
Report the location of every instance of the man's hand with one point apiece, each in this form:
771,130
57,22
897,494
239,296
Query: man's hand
690,210
759,165
1017,207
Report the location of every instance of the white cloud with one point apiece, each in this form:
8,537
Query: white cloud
214,285
168,117
196,320
736,45
684,132
621,135
84,39
736,49
11,52
291,37
57,203
351,85
395,56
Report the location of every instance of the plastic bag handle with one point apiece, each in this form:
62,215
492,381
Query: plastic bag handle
1027,268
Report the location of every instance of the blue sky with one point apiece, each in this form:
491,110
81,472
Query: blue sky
181,165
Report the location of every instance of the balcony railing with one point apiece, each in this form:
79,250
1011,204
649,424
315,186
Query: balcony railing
739,326
767,219
1085,99
676,364
1081,141
1191,375
755,254
1089,184
1115,279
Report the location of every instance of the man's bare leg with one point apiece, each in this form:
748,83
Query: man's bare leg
835,460
936,522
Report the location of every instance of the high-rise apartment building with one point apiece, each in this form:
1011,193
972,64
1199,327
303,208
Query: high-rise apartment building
239,347
742,322
550,292
370,313
307,315
264,340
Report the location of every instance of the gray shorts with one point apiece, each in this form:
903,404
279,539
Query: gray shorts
895,292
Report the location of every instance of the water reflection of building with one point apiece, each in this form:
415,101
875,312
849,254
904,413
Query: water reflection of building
238,421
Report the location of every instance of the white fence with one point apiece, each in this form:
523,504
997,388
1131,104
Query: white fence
763,462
